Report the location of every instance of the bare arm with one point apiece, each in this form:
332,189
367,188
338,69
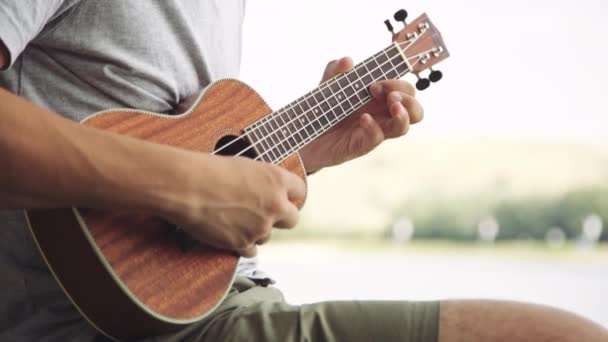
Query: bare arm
49,161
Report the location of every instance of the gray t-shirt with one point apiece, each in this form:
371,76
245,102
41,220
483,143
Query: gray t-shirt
76,57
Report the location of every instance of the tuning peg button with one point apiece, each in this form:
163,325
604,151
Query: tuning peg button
435,76
401,15
423,84
389,26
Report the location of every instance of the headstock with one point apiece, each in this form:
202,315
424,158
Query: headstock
421,46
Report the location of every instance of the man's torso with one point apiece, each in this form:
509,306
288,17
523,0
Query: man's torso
90,56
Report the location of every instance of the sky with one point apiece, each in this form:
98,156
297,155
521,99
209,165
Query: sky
518,69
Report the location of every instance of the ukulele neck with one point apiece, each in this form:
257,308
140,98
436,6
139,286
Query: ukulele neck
278,135
292,127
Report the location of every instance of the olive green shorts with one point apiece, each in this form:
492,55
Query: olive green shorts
252,313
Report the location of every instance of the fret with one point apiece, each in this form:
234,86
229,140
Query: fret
339,89
256,142
323,120
386,66
364,74
334,110
401,67
292,125
300,122
381,59
318,96
269,138
359,83
266,144
305,118
278,152
332,100
280,132
343,82
306,130
392,74
351,95
316,111
336,98
343,101
285,131
355,83
398,62
272,130
295,125
315,124
375,70
277,148
323,106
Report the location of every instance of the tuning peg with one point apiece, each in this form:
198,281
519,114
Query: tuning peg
389,26
423,83
401,15
435,75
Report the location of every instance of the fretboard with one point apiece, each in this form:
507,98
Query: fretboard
292,127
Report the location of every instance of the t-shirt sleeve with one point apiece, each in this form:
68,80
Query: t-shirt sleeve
22,20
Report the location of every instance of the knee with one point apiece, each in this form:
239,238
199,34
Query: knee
485,320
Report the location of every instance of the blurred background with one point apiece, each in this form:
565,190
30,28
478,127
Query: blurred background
502,190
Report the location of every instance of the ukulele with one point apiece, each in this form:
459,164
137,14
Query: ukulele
133,275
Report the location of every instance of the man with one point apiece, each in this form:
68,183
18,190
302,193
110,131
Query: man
65,59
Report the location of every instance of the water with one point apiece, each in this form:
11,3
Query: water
310,273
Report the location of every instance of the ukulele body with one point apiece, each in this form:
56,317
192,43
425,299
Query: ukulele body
134,275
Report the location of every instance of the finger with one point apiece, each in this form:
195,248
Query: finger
400,120
379,90
336,67
413,108
373,134
296,187
264,239
290,217
248,252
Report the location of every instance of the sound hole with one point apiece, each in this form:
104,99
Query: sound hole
231,145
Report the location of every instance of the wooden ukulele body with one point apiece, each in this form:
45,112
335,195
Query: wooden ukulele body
130,274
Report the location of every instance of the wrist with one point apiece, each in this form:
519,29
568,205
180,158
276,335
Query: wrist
181,182
312,163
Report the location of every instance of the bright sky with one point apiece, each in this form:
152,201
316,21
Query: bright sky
532,69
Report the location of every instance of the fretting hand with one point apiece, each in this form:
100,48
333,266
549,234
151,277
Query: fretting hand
388,115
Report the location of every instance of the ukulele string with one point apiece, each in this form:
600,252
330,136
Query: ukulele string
315,108
316,119
282,157
325,84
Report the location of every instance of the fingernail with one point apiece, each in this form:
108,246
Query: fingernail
396,97
402,110
375,89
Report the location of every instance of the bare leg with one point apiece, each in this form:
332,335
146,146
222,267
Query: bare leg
497,321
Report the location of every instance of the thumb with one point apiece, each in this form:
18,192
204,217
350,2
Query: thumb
336,67
248,252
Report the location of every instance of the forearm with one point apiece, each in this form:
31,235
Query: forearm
49,161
